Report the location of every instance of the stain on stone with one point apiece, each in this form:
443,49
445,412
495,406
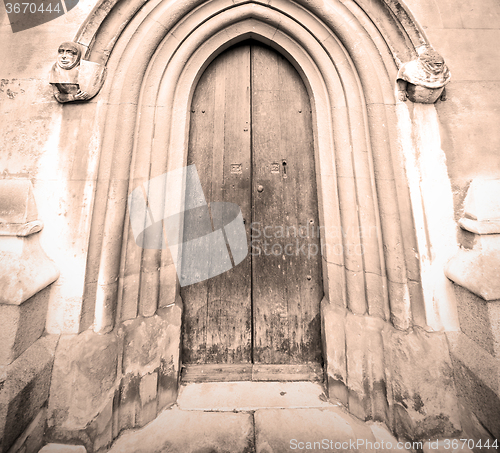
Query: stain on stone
129,390
418,404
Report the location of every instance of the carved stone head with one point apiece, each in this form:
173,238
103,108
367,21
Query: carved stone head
423,80
69,55
432,61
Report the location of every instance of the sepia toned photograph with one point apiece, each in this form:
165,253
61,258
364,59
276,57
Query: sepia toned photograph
249,226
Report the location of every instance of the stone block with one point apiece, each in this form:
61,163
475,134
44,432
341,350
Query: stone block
421,393
25,389
474,318
150,366
494,318
385,438
478,396
17,203
280,430
333,337
128,401
168,379
22,325
66,311
100,430
169,371
471,45
365,364
478,360
144,341
190,432
147,396
474,431
84,378
334,282
457,125
32,439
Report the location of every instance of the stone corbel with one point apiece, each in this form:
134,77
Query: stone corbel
423,80
25,269
74,79
478,268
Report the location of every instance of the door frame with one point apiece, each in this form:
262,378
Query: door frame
205,367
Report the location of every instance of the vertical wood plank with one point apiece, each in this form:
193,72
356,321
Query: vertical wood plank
201,136
229,304
287,280
219,140
271,339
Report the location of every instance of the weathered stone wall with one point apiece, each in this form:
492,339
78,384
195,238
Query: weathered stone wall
32,149
466,33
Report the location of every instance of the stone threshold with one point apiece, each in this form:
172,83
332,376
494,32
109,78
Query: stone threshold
251,396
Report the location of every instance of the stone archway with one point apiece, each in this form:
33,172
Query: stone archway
347,55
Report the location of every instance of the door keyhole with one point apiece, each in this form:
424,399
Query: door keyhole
284,169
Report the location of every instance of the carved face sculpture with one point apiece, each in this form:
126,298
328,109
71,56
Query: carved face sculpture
69,55
432,61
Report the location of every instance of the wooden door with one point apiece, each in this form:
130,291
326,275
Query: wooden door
251,140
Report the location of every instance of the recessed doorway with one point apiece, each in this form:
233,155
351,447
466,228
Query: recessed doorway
251,140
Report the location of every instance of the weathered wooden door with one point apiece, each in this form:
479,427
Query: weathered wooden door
251,140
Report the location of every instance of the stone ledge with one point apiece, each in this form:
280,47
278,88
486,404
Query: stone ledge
480,226
477,270
482,202
20,229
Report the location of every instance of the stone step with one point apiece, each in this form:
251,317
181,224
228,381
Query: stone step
262,431
249,396
260,417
